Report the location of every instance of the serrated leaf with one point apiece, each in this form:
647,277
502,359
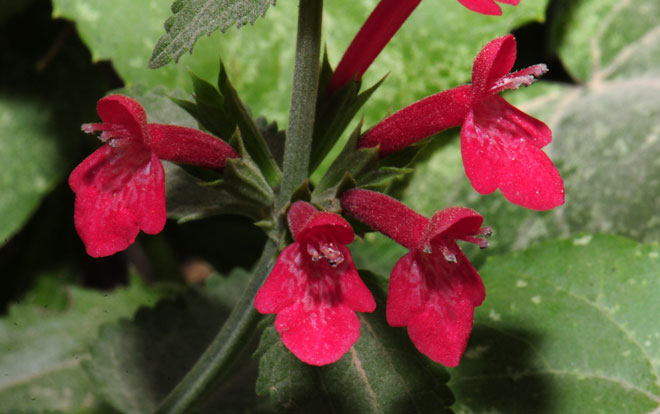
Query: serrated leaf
382,373
567,326
127,361
194,18
42,347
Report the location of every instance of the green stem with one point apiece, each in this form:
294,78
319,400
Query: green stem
228,343
243,320
303,98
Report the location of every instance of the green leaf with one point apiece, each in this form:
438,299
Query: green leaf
193,18
32,161
382,373
43,101
254,141
209,109
607,39
136,362
567,326
42,345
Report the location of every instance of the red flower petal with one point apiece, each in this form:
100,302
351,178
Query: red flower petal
294,272
407,292
117,194
493,61
318,335
127,113
500,146
356,295
191,146
486,6
286,283
305,222
455,223
435,298
441,332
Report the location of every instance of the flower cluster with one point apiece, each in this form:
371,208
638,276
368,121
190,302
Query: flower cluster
314,287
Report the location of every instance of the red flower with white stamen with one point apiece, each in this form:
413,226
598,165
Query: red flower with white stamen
500,145
120,188
315,289
433,288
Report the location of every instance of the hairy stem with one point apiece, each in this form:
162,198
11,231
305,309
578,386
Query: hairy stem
227,344
242,322
303,98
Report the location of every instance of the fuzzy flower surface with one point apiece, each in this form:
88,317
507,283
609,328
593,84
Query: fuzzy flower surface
433,288
501,146
315,289
120,188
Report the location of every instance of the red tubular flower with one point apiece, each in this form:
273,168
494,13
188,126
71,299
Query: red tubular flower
315,289
380,27
500,145
433,288
120,188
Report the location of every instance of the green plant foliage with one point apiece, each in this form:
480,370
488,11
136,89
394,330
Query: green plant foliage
40,114
567,326
136,362
32,161
382,373
195,18
607,39
44,340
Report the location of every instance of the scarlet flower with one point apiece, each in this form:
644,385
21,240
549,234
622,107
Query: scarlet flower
381,25
500,145
315,289
433,289
120,188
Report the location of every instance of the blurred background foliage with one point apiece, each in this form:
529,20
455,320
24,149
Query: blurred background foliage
600,98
